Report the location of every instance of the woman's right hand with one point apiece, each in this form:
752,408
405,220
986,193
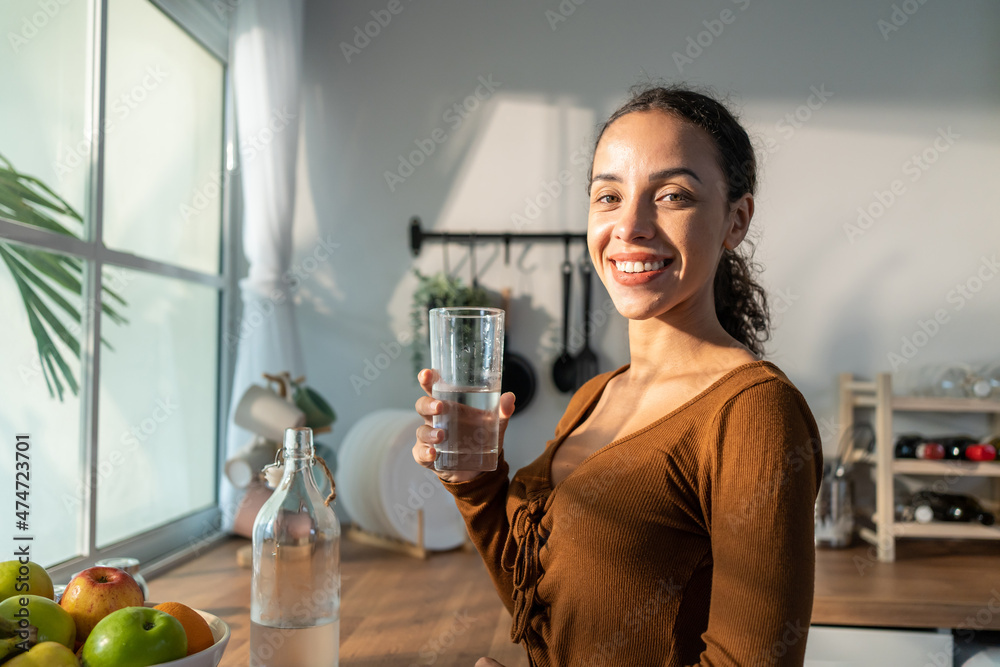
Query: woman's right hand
428,436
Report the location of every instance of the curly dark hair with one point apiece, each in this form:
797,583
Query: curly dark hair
740,301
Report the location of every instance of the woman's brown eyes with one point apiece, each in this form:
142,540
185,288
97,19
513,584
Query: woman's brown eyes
670,196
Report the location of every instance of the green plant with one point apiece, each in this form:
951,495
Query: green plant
437,291
319,413
39,275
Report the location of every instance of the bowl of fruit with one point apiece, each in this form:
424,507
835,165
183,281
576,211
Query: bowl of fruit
100,620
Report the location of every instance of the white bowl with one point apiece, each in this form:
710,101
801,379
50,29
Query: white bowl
211,656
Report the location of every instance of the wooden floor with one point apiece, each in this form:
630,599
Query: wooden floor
396,610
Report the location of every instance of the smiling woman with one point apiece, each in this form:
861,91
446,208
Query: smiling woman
670,518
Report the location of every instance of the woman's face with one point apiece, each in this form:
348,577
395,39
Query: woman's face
659,216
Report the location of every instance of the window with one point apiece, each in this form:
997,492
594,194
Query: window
114,272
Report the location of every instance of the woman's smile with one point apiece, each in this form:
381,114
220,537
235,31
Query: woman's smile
639,271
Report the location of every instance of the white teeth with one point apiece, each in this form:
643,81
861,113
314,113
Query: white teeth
639,267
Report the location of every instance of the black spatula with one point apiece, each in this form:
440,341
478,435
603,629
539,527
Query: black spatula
586,359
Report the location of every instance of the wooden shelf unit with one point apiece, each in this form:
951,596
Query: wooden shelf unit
878,395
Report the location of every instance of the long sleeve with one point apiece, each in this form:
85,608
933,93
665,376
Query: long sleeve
483,504
761,492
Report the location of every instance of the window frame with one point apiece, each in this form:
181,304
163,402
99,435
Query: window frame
164,546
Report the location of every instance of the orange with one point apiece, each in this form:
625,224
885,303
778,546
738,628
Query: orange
199,635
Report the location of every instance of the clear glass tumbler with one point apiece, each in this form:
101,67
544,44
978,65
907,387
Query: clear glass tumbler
467,354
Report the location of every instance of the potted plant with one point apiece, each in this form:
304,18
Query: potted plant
438,291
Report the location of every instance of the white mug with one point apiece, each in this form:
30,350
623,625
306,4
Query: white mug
247,463
264,413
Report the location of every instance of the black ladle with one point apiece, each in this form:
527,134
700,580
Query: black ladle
586,359
564,369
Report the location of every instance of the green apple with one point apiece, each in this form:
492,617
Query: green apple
47,654
135,636
53,622
31,578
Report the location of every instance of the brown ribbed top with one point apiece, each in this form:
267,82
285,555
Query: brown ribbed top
687,542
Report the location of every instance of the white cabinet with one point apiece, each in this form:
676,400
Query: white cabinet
829,646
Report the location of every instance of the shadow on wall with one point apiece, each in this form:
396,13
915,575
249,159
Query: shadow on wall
495,161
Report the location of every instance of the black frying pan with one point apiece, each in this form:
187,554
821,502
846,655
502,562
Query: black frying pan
518,375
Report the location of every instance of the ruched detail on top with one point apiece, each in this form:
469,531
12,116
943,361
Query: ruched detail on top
520,557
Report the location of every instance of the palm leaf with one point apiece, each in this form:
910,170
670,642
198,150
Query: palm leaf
46,349
55,296
27,200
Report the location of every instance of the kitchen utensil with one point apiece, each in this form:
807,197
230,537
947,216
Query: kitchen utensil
586,359
834,511
518,373
474,280
564,368
467,358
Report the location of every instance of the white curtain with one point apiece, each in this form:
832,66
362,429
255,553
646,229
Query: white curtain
266,66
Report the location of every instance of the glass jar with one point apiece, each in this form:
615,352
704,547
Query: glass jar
953,381
987,382
295,590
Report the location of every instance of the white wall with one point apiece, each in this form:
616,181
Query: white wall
847,302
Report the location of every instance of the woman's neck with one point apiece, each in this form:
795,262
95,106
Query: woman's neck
667,347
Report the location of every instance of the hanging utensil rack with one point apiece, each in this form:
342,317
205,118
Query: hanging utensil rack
418,237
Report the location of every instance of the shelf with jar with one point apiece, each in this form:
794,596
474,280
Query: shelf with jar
878,395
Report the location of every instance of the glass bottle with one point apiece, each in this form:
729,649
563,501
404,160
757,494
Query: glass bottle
930,506
295,591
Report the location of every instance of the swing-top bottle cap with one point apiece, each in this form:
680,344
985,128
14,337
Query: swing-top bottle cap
298,441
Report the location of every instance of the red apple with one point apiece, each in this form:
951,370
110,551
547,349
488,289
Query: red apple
95,593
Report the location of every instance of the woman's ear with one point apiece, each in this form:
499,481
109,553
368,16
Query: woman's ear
740,214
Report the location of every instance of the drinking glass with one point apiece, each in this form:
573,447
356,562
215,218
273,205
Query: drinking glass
953,381
467,355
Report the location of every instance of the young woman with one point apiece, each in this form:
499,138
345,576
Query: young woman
669,520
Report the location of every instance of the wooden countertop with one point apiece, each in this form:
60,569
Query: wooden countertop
398,610
395,609
932,584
